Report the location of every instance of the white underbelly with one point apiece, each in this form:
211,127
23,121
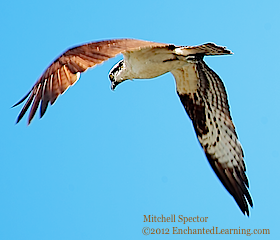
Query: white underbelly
149,65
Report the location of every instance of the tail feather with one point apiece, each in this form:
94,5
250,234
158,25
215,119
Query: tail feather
207,49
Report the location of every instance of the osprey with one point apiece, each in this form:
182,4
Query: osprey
200,90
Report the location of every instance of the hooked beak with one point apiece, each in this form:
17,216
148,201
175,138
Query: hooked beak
114,84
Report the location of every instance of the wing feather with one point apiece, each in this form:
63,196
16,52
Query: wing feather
26,105
204,98
45,98
66,69
36,101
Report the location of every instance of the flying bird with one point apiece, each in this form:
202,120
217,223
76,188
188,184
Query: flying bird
200,90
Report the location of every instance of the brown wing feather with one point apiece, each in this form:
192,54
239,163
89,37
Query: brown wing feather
66,69
207,105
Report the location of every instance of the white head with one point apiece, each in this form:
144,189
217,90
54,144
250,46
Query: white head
117,74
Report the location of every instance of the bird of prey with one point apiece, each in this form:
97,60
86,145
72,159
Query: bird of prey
200,90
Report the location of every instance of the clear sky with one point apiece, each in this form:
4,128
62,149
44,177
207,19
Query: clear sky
100,160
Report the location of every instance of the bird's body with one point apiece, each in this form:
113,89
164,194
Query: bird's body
147,64
200,90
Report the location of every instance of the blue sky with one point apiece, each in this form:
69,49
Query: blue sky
100,160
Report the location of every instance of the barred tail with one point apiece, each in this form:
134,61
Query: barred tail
207,49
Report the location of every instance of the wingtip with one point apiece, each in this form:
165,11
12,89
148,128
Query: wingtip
244,206
247,213
22,100
26,106
17,121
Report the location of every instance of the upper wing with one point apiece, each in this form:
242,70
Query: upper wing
66,69
204,98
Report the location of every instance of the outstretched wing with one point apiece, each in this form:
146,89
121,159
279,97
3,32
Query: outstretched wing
66,69
204,98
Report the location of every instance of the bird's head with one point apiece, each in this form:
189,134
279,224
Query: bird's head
117,74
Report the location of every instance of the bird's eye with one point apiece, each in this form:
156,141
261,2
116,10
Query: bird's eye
111,77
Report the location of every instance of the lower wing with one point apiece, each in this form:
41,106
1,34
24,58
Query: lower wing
204,98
